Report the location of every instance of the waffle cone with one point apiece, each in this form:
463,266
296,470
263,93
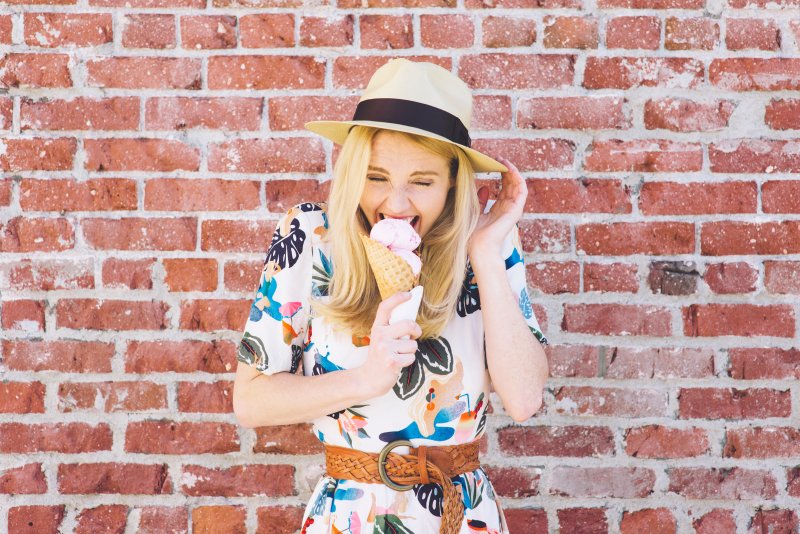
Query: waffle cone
392,272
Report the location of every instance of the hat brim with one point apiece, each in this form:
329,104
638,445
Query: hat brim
337,132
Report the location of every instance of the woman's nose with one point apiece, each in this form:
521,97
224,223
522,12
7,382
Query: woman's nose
398,201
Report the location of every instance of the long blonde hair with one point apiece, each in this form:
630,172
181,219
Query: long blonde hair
353,292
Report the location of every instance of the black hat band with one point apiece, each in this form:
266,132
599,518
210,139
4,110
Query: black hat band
414,114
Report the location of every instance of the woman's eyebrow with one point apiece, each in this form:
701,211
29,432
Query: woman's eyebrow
415,173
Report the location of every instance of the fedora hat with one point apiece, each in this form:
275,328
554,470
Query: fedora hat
418,98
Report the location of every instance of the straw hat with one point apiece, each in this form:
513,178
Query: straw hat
418,98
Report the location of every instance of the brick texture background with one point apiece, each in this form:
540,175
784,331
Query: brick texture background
148,147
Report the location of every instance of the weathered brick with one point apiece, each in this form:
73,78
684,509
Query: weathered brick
651,520
34,70
686,115
616,319
573,361
171,194
353,72
64,356
738,320
102,194
35,519
211,315
181,113
235,236
23,314
731,403
265,72
54,437
326,31
755,74
733,277
513,71
491,112
654,441
295,154
287,439
241,276
515,482
386,32
207,519
114,478
602,482
755,155
781,196
570,32
93,314
762,442
267,30
203,397
144,72
446,31
508,32
111,396
151,233
774,520
140,154
27,234
556,441
716,521
283,194
21,397
617,402
572,113
660,363
632,72
188,356
155,519
523,519
129,274
654,238
730,483
104,518
583,520
81,113
56,30
149,31
759,34
782,277
278,519
554,277
611,277
673,277
756,364
633,33
170,437
697,33
203,32
783,113
644,155
38,154
735,237
26,480
268,480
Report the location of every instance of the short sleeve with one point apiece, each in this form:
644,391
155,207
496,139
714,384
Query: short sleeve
274,336
515,269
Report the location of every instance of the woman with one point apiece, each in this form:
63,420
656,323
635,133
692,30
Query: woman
372,388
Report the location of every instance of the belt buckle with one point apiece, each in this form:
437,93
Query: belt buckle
382,464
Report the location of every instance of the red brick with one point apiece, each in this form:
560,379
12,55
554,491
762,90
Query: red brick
38,154
196,4
491,112
793,477
214,314
755,74
180,357
738,320
644,155
690,33
592,195
181,113
632,72
610,319
660,363
783,114
554,277
111,396
686,115
128,274
743,34
353,72
170,437
717,521
155,519
94,314
203,397
81,113
654,441
207,519
269,480
141,234
655,238
149,31
780,196
292,112
672,277
114,478
446,31
508,32
731,403
35,519
572,113
516,71
579,441
283,194
544,235
602,482
22,234
5,193
103,194
24,315
515,482
583,520
298,154
670,198
782,277
265,72
6,27
140,154
652,521
651,4
531,154
144,72
333,31
171,194
526,519
35,70
763,3
762,442
633,32
774,521
274,30
62,356
731,278
55,30
287,439
54,437
729,237
754,155
28,479
21,397
386,32
755,364
6,113
208,32
570,32
105,518
617,402
279,519
728,483
612,277
190,274
241,276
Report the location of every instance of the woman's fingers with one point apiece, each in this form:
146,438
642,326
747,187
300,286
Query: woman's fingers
385,307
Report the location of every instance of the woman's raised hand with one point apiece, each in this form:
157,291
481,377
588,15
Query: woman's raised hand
388,352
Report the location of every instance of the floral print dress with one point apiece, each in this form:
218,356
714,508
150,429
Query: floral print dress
440,399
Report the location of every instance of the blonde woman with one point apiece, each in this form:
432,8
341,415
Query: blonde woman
399,407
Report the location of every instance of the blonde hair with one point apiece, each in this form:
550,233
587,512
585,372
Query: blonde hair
353,291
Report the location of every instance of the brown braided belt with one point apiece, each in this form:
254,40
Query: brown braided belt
422,465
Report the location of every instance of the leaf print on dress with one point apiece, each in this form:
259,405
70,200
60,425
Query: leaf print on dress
469,300
430,496
287,242
321,279
252,351
471,488
351,423
434,355
390,524
438,395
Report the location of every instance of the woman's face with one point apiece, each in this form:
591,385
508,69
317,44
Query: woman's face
404,181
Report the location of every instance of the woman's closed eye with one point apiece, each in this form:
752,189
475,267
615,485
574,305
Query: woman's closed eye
382,179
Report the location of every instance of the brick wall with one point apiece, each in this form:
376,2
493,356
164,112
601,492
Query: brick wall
148,147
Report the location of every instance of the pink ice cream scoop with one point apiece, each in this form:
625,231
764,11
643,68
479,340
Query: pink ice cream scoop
401,238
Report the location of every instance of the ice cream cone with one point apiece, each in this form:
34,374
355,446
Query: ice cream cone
392,272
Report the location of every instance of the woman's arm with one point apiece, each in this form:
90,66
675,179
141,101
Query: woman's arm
517,362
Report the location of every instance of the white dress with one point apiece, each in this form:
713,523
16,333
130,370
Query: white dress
438,400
